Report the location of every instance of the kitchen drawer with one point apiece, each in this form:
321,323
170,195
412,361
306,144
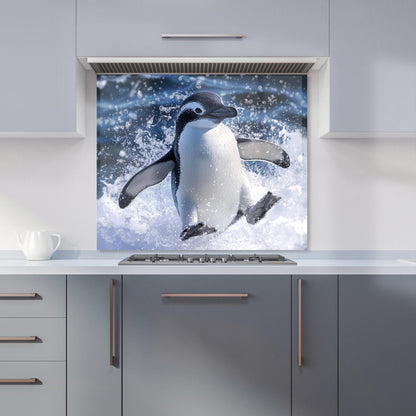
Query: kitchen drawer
49,345
44,398
41,296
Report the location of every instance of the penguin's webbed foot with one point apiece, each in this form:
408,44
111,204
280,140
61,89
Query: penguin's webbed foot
256,212
195,230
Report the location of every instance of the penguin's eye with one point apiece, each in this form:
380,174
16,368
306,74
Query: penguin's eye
198,110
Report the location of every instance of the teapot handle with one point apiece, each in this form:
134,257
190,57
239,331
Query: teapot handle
19,239
58,243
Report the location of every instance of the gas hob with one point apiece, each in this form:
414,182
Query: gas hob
139,259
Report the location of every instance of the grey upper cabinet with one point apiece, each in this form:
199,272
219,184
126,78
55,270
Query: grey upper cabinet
186,356
377,344
314,381
39,71
372,68
269,27
93,382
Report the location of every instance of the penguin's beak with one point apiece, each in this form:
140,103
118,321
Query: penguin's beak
223,112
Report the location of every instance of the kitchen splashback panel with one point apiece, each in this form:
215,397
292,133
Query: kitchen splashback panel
200,196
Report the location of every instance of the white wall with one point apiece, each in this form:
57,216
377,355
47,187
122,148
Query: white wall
50,184
362,193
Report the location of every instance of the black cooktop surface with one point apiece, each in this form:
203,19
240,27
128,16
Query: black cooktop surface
138,259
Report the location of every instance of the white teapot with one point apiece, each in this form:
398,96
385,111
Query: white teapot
38,245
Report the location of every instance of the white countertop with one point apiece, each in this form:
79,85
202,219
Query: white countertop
305,266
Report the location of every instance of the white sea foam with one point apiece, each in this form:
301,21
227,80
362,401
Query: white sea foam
151,222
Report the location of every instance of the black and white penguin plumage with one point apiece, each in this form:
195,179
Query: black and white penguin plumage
209,186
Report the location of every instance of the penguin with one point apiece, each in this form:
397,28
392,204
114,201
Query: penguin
209,186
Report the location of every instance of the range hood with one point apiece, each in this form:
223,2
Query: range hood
203,65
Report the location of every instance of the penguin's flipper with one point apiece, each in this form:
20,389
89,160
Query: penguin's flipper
253,149
256,212
151,175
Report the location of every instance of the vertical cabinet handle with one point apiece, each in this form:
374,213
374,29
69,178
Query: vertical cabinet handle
299,322
112,358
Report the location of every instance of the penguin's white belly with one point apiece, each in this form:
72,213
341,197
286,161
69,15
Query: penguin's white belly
210,176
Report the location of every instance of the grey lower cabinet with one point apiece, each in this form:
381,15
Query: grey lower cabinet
314,359
206,345
377,345
93,354
32,345
224,345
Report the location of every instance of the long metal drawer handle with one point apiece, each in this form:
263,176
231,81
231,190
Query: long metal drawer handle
19,339
299,322
18,296
20,381
112,358
204,295
201,36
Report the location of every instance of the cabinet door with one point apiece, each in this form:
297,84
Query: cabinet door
38,82
314,382
94,385
377,344
373,66
206,356
269,27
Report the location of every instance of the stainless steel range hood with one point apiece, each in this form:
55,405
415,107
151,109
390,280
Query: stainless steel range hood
203,65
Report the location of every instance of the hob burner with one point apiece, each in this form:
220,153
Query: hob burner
139,259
